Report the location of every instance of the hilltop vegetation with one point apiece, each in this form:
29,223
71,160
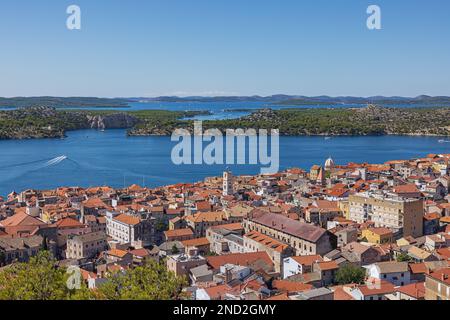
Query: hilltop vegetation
20,102
44,122
371,120
320,121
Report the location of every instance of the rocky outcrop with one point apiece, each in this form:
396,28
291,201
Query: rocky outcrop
47,122
112,121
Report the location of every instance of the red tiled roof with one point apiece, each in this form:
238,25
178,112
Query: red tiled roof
266,241
21,219
307,260
127,219
69,223
415,290
292,227
442,275
229,226
195,242
241,259
376,287
178,233
290,286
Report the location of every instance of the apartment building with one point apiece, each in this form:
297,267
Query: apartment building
19,249
403,215
133,229
304,238
86,246
437,285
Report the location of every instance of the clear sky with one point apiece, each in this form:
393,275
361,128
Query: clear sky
224,47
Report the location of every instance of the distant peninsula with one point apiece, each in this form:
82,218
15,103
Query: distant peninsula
63,102
48,122
298,100
265,101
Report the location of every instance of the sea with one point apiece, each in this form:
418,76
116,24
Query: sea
94,158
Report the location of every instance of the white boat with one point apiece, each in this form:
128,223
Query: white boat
327,138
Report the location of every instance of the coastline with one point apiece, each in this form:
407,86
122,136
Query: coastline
47,122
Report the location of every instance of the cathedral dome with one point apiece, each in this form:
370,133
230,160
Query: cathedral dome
329,163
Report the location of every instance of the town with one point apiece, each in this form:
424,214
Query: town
357,231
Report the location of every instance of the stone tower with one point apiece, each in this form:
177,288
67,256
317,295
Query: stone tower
228,183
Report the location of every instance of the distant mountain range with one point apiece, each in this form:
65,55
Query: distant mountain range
61,102
280,99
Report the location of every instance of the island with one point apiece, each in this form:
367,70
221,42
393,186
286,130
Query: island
49,122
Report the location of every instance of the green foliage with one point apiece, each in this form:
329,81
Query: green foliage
41,279
175,249
350,274
404,257
151,281
372,120
160,225
37,280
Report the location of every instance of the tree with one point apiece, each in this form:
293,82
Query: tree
350,274
151,281
39,279
403,257
175,249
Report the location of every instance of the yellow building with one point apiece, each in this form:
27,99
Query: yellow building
377,235
344,207
399,214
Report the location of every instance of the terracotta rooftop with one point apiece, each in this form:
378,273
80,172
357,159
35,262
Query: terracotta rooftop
266,241
178,232
441,275
307,260
241,259
195,242
292,227
415,290
290,286
21,219
127,219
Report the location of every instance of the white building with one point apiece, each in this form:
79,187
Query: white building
130,229
394,272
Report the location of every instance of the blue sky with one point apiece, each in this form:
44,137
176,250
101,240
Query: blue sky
224,47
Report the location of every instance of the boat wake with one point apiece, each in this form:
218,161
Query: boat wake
54,161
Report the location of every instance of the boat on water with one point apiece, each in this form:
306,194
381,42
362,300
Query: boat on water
443,141
327,138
